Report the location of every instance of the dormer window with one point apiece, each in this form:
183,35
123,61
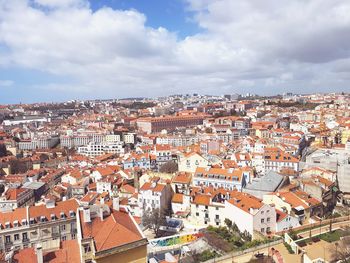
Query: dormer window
71,213
31,221
7,225
62,215
53,217
42,219
15,223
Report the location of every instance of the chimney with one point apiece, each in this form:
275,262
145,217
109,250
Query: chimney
86,215
101,213
39,253
116,205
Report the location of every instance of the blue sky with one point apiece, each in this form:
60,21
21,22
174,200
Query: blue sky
57,50
171,14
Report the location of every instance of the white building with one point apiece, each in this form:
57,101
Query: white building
250,213
229,179
153,195
95,149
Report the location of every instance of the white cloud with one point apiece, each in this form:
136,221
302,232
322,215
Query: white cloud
61,3
246,44
6,83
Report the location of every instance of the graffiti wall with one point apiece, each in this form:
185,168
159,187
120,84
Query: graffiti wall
175,240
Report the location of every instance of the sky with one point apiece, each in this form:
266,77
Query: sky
58,50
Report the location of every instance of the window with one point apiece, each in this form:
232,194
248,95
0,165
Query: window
262,220
87,248
206,207
24,236
262,230
268,219
63,227
217,217
64,238
16,236
7,239
217,208
197,214
206,215
268,229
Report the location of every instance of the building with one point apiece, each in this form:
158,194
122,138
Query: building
336,160
169,123
110,234
96,149
278,160
189,162
298,204
28,226
207,208
16,197
155,195
44,142
250,214
230,179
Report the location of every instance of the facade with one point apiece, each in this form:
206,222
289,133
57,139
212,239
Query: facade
152,125
16,197
25,227
277,160
97,149
154,195
190,162
45,142
250,214
230,179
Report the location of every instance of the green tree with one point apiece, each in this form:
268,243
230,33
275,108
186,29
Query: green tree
154,219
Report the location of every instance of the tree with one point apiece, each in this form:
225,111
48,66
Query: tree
341,250
154,219
228,223
169,167
3,150
2,189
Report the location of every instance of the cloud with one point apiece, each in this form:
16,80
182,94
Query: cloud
246,46
60,3
6,83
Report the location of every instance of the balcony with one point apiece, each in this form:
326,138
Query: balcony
73,231
56,235
25,240
8,244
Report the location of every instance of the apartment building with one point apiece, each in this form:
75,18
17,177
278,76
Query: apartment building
250,213
207,208
177,140
154,195
43,142
170,123
278,160
190,161
25,227
94,149
16,197
298,204
231,179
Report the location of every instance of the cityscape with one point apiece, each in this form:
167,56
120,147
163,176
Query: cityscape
175,131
